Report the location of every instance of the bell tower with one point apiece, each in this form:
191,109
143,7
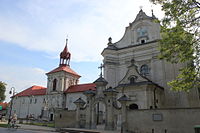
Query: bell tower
62,77
65,56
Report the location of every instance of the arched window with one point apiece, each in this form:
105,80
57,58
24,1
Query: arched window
132,79
54,84
133,106
144,70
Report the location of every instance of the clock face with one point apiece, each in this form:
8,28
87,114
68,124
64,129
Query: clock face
142,31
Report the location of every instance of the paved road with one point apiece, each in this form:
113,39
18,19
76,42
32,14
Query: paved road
5,130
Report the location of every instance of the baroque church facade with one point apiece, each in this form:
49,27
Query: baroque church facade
130,95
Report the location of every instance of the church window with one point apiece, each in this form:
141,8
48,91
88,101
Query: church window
54,84
144,70
35,100
133,79
133,106
142,41
23,101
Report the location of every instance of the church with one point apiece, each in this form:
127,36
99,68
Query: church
130,95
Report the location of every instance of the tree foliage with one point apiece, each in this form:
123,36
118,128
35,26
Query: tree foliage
2,91
181,40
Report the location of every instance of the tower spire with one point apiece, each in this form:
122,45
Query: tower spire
65,56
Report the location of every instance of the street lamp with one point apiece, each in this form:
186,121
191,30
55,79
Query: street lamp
12,91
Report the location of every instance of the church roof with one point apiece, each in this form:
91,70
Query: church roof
32,91
81,88
64,68
4,105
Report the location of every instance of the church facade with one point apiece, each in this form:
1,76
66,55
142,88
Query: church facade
131,94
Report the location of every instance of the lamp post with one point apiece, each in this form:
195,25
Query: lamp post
12,91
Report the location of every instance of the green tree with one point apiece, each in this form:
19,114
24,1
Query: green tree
2,91
180,41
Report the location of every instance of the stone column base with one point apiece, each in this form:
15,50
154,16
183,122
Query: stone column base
109,126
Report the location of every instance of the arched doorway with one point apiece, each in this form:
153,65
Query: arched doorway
133,106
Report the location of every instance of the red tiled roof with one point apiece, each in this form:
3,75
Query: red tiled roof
64,68
81,88
32,91
4,105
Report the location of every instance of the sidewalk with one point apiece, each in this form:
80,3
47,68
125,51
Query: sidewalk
82,130
36,128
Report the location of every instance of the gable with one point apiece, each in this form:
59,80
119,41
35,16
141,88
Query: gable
132,76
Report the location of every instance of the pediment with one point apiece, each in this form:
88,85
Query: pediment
132,76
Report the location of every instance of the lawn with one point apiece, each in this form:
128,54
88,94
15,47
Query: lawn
43,124
3,125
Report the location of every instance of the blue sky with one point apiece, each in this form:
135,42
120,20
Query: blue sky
33,33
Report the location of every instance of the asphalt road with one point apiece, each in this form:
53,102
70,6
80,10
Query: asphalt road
6,130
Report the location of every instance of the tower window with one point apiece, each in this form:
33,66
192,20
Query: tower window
144,70
54,84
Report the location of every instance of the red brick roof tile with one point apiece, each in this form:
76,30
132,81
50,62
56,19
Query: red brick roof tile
32,91
81,88
64,68
4,105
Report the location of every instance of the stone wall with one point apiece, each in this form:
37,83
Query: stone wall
180,120
65,118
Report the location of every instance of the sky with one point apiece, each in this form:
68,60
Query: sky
33,33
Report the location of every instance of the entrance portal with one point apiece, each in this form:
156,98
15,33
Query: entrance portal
51,117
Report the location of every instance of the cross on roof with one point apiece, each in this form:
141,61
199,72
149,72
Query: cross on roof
101,68
141,7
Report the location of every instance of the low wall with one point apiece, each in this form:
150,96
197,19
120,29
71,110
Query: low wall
163,120
65,118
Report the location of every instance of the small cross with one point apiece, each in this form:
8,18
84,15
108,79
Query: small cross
141,7
101,68
67,39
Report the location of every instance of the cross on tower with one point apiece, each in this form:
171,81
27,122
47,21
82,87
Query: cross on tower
101,68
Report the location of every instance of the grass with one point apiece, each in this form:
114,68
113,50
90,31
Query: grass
43,124
4,125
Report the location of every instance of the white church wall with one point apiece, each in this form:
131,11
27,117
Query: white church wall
72,97
27,105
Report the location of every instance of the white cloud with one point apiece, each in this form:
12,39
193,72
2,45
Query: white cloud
21,78
44,24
